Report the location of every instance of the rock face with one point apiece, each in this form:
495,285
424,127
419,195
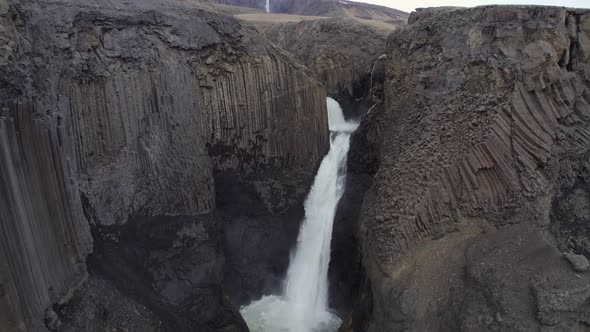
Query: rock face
486,115
100,306
262,212
125,117
341,52
348,283
348,57
209,89
44,239
342,43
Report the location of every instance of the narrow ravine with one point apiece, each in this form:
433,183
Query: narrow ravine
303,305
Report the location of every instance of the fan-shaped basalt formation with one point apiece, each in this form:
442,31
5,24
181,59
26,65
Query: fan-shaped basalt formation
484,133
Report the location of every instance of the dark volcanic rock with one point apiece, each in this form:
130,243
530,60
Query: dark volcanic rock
481,173
115,113
347,55
346,272
565,303
571,217
343,54
173,265
262,214
99,306
44,239
579,262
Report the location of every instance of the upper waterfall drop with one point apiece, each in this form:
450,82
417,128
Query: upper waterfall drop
335,115
267,6
336,120
303,306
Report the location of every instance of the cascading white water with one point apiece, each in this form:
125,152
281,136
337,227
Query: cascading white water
267,6
303,307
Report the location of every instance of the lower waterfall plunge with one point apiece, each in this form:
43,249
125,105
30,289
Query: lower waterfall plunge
303,306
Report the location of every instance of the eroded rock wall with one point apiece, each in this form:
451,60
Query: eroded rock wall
348,283
44,239
329,8
340,51
505,115
486,115
132,110
187,90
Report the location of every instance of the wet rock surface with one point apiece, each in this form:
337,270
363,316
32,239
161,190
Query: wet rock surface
348,284
262,214
348,57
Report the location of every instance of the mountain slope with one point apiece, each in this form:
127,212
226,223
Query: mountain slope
330,8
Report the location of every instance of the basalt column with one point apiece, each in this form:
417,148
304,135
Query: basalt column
149,103
486,113
44,239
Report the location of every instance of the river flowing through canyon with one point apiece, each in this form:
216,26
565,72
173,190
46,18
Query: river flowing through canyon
303,305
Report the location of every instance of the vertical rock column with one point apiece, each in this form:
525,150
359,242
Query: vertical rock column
43,237
264,112
138,146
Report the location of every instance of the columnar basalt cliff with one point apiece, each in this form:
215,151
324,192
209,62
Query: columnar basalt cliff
348,283
154,158
125,118
236,99
465,226
347,55
341,52
43,242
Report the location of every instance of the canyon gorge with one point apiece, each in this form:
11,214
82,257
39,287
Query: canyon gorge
161,166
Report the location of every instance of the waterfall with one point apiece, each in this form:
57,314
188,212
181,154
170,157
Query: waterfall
303,306
267,6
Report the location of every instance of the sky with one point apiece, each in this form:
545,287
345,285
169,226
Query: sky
408,5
